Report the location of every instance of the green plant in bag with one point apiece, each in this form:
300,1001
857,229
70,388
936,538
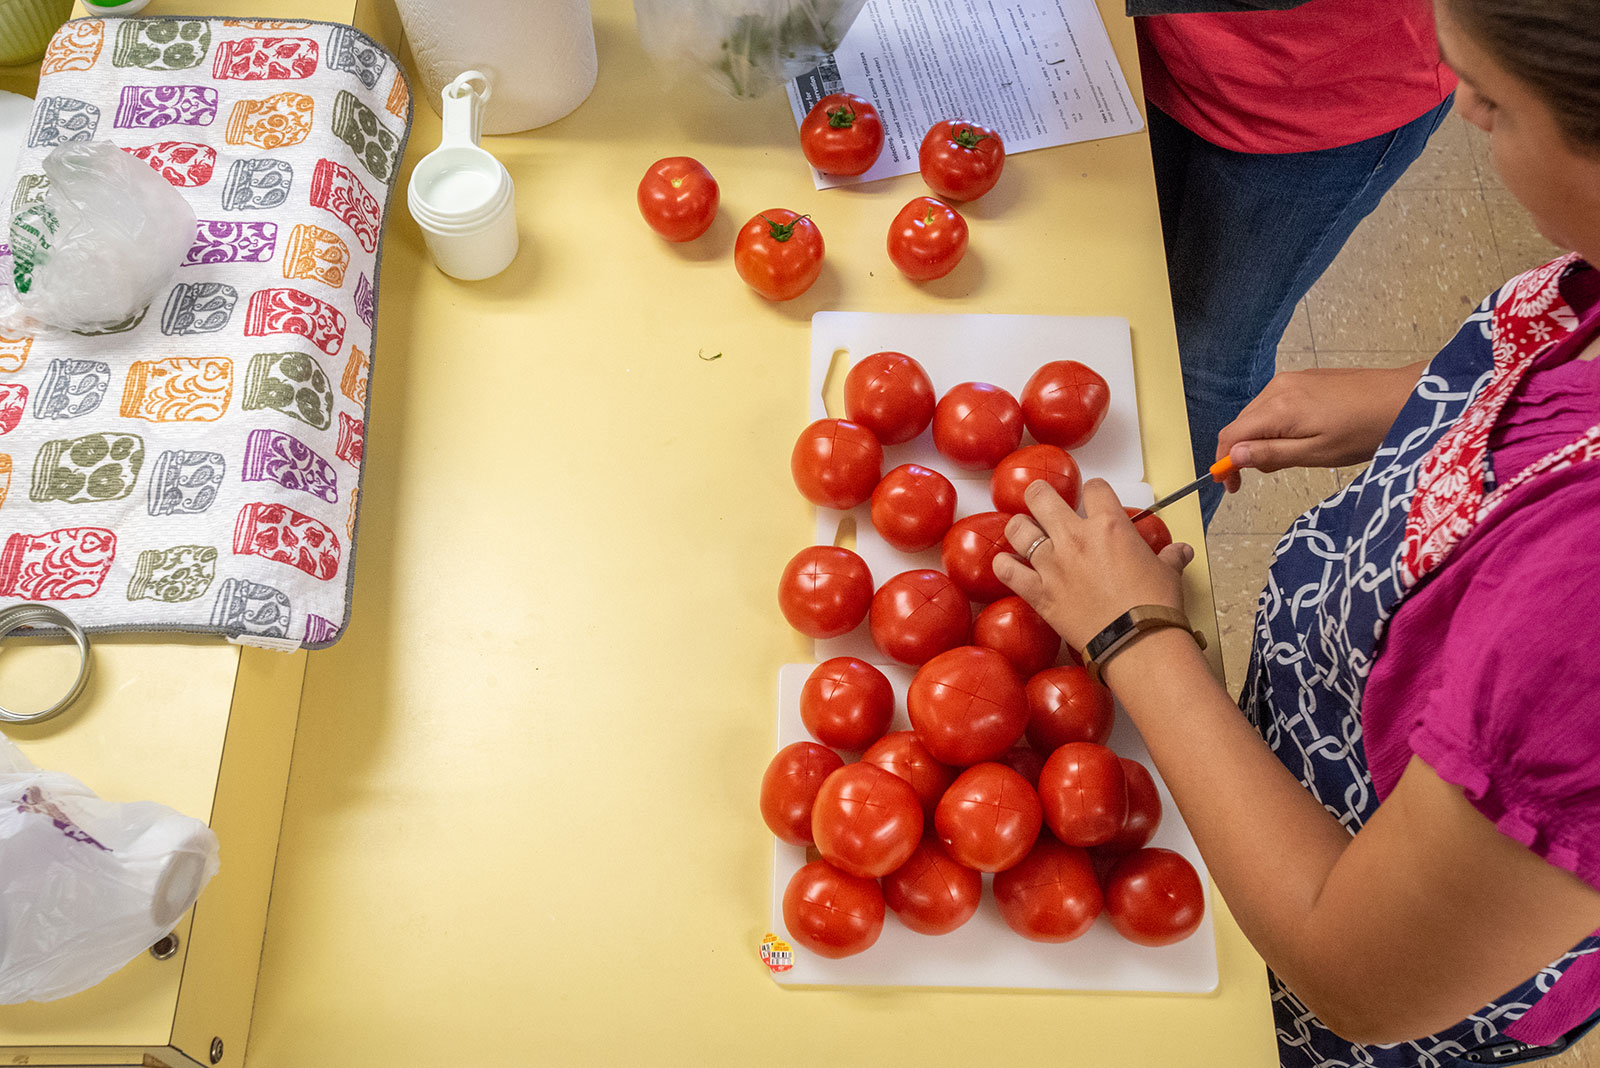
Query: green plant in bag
32,234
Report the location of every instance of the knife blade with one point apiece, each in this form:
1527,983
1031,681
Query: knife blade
1218,471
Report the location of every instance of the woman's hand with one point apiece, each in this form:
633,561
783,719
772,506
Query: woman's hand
1321,418
1093,568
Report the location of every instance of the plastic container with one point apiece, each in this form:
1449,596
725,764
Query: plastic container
26,27
540,54
460,195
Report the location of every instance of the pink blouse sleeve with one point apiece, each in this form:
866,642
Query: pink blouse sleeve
1508,707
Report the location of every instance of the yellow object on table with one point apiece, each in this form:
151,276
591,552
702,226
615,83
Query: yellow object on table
521,826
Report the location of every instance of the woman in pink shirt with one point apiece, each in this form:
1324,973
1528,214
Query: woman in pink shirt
1406,821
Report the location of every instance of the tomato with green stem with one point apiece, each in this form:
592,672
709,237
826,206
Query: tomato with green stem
779,253
961,160
927,239
842,134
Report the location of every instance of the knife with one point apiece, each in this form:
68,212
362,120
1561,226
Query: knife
1219,471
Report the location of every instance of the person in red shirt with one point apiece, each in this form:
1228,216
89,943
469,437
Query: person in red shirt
1274,133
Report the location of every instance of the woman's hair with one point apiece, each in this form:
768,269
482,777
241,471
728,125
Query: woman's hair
1554,46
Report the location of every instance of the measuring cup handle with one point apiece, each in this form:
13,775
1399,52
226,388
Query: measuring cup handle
464,99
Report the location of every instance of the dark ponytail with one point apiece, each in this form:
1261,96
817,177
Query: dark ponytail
1554,46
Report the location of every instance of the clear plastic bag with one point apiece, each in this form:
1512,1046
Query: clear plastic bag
107,237
747,47
86,884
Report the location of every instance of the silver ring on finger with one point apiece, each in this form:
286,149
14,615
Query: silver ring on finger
1040,540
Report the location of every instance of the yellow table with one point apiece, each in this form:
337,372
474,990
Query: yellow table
521,825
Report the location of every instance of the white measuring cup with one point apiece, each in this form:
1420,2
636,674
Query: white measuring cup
462,196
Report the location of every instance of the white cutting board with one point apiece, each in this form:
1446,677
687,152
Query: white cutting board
1003,350
984,952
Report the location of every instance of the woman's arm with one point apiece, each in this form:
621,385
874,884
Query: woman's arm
1322,418
1425,915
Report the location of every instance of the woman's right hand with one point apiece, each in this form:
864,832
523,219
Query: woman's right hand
1331,417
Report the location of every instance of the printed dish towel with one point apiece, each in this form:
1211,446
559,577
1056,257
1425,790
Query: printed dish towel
198,467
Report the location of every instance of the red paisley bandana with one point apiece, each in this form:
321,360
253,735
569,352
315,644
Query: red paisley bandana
1530,318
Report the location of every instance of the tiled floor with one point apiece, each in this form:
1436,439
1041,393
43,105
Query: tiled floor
1444,237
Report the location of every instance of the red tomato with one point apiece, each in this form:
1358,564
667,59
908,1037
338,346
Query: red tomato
1066,705
832,913
989,818
977,425
1013,629
678,198
789,788
836,463
846,703
1064,403
919,614
927,239
966,705
902,753
961,160
913,507
968,553
779,253
842,134
1024,761
825,591
1029,464
1085,794
1154,897
1144,810
891,395
1052,896
932,893
1151,529
865,820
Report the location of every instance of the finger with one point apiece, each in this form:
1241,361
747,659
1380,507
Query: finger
1269,456
1100,499
1052,513
1177,555
1022,532
1232,483
1023,580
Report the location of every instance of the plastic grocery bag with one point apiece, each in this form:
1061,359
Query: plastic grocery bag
107,237
86,885
745,46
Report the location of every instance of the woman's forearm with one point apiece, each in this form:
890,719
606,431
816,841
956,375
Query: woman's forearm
1269,845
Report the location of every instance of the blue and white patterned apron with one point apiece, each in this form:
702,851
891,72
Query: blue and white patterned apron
1334,584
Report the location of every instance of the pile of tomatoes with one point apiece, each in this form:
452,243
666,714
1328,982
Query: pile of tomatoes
779,252
1005,769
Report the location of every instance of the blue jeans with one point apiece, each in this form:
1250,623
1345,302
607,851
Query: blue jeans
1246,236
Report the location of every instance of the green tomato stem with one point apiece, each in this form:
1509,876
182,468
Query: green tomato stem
783,231
841,118
967,139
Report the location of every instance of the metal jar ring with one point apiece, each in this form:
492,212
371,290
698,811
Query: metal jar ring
14,619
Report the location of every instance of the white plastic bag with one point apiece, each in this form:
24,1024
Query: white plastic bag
86,885
107,237
746,47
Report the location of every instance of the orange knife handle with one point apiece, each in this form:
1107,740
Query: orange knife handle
1222,469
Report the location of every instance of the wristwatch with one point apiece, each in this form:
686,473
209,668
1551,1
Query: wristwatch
1127,628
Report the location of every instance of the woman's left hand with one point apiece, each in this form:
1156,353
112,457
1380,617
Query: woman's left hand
1092,568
